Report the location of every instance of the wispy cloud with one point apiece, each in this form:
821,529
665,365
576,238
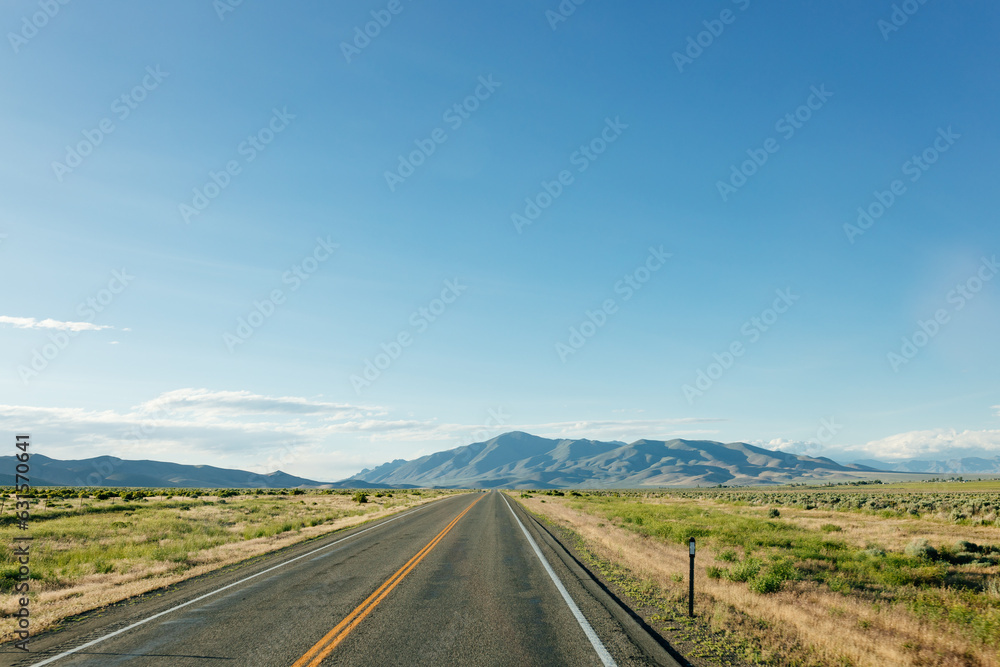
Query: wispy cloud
628,430
799,447
927,444
247,403
931,443
32,323
623,429
309,436
317,438
186,419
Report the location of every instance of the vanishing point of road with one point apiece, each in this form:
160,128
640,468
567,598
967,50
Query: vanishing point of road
470,579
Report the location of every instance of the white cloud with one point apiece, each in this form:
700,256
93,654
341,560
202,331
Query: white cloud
935,443
798,447
309,437
931,444
231,429
325,440
627,430
204,401
455,435
32,323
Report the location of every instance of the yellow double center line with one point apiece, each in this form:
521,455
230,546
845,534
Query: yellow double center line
325,646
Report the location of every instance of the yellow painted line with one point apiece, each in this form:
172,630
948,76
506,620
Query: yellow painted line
93,642
330,640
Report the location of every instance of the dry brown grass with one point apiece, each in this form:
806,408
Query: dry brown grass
835,627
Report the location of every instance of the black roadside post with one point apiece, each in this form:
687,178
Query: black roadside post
691,581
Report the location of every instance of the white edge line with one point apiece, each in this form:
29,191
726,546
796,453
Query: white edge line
219,590
595,641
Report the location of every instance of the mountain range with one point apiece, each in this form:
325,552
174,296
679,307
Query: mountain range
965,465
113,471
517,460
522,460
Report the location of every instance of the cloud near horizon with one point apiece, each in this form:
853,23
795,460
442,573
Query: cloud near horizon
927,444
935,443
315,438
799,447
48,323
246,403
297,434
625,430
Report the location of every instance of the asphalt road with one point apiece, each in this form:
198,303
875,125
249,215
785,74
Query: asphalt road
455,582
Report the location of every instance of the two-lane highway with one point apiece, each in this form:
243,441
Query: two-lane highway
460,581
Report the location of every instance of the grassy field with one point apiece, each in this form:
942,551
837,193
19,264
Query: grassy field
866,575
92,551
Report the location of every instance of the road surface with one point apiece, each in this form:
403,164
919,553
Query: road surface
470,579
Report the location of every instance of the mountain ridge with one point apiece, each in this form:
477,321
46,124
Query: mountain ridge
518,460
113,471
960,465
522,460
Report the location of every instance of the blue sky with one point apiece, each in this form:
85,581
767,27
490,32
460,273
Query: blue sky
833,101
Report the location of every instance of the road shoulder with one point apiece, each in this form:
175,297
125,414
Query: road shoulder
626,634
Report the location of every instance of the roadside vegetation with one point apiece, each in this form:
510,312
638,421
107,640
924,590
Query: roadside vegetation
971,507
92,547
841,576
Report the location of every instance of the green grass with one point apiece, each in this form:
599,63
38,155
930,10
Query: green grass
103,538
937,582
704,637
727,556
972,503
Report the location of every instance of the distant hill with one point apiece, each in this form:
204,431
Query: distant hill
112,471
353,483
959,466
522,460
516,460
